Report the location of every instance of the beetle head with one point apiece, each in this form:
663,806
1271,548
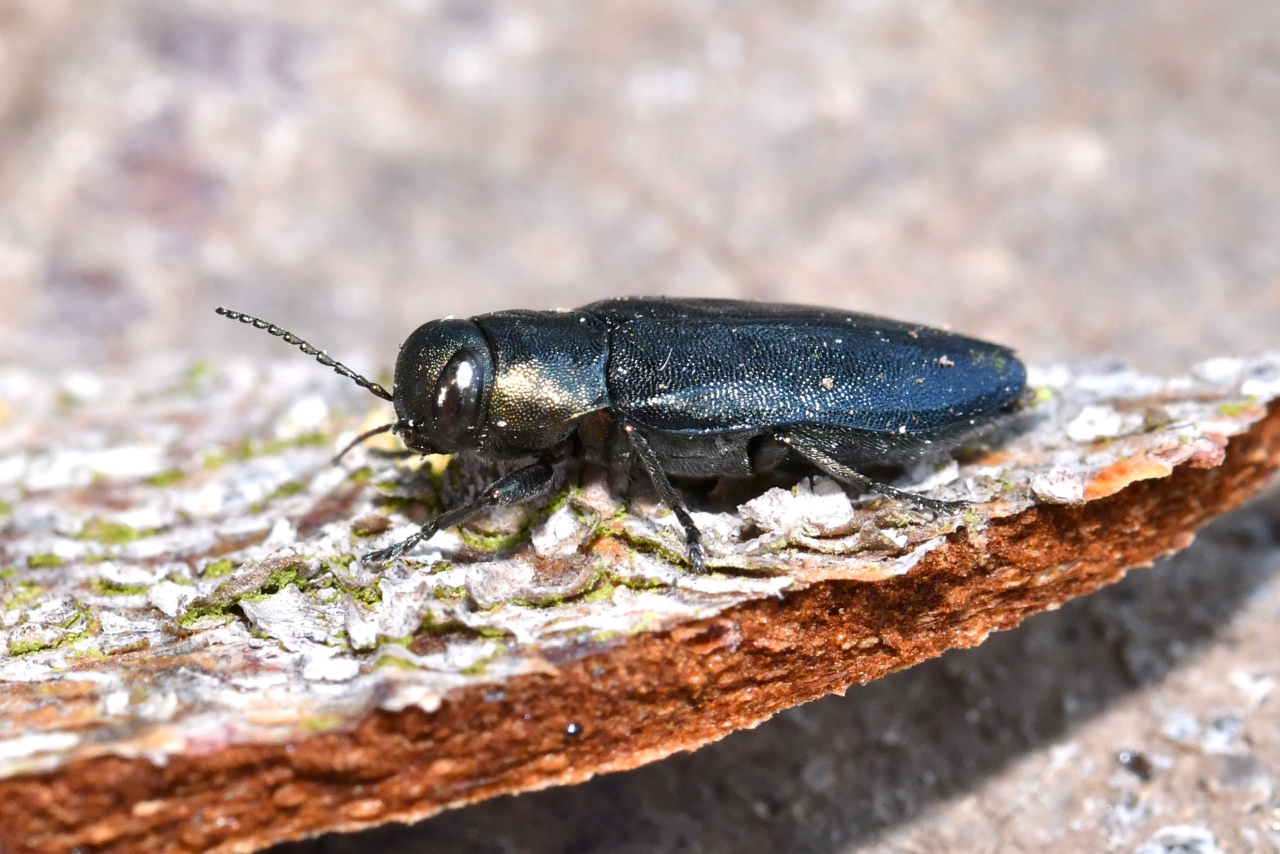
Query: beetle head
443,376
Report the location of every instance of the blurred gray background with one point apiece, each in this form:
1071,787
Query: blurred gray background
1074,178
1071,177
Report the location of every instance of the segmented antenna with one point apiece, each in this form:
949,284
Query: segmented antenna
321,357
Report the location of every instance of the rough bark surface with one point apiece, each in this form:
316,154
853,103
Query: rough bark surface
620,701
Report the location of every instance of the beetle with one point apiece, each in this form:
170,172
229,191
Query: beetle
684,387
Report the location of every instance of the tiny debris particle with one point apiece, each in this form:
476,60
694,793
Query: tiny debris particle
145,809
1136,763
370,525
828,383
366,809
945,362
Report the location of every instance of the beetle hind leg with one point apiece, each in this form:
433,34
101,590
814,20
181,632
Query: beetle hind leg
521,485
669,495
812,450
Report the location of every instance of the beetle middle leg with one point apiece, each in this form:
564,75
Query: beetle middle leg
811,448
649,461
519,486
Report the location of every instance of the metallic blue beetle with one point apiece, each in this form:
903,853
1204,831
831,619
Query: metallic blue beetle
685,387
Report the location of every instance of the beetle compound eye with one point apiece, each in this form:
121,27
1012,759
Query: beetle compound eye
457,402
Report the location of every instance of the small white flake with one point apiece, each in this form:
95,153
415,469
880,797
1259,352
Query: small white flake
1218,371
327,666
115,703
818,507
1255,686
558,535
1179,726
1058,487
305,416
1096,422
169,597
282,534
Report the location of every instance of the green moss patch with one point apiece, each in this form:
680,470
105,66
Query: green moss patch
278,580
218,569
204,610
24,593
169,477
106,587
284,490
249,448
370,595
321,723
223,600
23,647
433,627
1238,407
480,665
112,533
91,626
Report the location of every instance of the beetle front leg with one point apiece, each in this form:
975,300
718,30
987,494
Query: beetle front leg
668,494
518,487
811,449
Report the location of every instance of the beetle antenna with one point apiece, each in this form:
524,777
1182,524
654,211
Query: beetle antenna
321,356
368,434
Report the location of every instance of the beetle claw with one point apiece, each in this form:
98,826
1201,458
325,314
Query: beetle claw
697,557
390,553
382,556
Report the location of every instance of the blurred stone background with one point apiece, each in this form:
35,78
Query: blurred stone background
1076,178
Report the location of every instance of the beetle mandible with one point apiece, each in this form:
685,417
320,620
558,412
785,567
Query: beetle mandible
694,387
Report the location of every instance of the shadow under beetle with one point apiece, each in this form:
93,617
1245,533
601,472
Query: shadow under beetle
694,387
